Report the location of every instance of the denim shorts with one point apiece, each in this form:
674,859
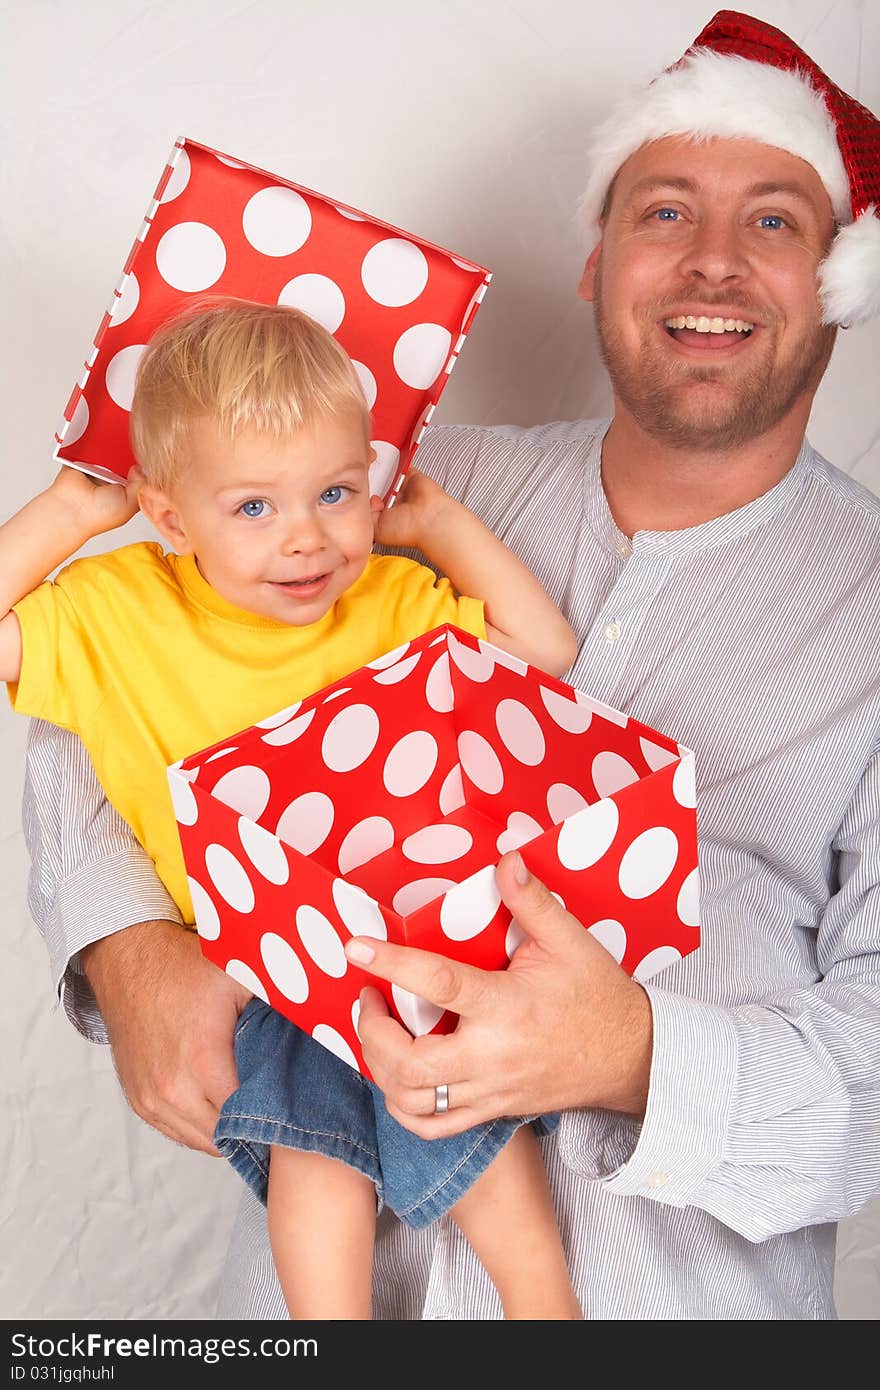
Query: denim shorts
295,1093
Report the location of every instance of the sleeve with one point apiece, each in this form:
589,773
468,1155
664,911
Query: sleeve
414,600
779,1125
57,681
89,877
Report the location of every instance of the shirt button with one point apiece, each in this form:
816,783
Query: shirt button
658,1179
624,549
612,631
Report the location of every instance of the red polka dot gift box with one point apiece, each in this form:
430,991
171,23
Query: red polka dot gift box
400,306
380,805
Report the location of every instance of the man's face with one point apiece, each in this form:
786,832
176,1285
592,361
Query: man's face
279,527
712,236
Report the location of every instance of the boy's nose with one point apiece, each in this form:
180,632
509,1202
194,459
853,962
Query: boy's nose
304,536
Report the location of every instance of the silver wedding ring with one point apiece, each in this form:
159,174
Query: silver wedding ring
441,1100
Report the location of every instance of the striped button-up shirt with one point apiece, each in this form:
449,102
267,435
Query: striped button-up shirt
754,639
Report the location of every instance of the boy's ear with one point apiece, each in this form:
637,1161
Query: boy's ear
159,507
586,288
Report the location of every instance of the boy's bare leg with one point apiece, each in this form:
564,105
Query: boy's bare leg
508,1218
322,1229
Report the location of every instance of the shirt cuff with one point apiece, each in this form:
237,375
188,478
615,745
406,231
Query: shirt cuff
683,1137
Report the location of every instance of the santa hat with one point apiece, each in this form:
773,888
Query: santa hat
744,79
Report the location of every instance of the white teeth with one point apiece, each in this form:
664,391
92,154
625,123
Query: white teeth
707,325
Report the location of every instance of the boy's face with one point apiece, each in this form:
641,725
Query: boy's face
279,527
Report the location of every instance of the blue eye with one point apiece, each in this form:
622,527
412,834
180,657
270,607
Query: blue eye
332,495
771,222
667,214
254,507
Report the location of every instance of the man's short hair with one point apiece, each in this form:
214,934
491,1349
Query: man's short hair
247,365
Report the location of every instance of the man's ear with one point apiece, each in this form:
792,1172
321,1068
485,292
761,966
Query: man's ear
161,510
587,286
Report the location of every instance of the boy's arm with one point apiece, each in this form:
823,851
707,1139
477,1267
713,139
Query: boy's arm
45,533
520,616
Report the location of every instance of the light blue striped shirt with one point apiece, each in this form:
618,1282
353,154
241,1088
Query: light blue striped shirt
755,640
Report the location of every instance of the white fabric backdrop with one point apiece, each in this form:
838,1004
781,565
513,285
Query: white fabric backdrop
463,122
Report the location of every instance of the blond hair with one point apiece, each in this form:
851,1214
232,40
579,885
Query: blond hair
248,365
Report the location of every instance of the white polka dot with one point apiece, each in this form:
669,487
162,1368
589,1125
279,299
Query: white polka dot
515,937
264,851
364,841
437,844
230,163
186,808
410,764
356,1017
121,373
520,830
452,796
475,665
306,822
655,756
480,762
394,272
245,789
688,903
290,731
612,716
520,732
585,837
280,718
503,658
400,671
191,256
125,304
564,801
383,469
321,941
414,896
438,686
207,917
648,862
229,878
245,976
611,773
78,423
367,381
318,296
417,1014
277,221
221,753
337,694
380,663
684,787
350,738
179,178
284,968
189,774
611,935
352,216
335,1043
360,913
654,961
420,354
469,907
568,714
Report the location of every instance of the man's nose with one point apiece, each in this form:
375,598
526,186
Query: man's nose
715,253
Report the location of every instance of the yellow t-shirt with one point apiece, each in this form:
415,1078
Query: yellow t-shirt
135,652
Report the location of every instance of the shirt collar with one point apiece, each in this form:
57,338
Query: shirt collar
718,531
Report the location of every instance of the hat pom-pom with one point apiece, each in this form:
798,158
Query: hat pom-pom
849,277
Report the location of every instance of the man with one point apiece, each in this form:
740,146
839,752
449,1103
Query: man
723,580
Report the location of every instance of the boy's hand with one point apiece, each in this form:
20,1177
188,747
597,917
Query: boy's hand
415,513
93,507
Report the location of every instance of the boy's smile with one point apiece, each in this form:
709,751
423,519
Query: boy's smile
280,527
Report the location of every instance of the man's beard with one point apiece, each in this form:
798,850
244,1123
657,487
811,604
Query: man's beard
657,394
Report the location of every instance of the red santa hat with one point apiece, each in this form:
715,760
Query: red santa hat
744,79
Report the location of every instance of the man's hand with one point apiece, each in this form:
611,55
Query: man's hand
562,1028
170,1017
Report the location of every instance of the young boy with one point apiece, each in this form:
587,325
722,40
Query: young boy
252,435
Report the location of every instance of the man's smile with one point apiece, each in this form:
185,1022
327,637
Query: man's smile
699,335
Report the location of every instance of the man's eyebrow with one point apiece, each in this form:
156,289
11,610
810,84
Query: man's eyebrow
764,189
663,181
771,187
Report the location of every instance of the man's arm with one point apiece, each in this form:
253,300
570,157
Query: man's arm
129,973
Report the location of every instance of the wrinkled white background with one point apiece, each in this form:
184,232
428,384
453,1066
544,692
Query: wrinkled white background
462,122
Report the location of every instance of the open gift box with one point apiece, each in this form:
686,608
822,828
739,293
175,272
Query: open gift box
400,306
380,805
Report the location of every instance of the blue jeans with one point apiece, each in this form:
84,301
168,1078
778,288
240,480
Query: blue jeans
295,1093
